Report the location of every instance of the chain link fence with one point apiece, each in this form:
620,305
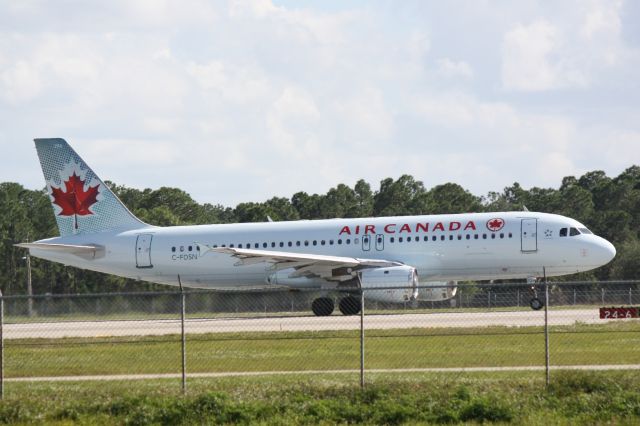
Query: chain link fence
484,327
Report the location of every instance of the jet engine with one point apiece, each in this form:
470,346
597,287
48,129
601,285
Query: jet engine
396,284
436,291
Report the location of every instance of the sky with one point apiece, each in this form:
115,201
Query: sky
238,101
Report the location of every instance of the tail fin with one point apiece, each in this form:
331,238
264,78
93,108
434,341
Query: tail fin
81,202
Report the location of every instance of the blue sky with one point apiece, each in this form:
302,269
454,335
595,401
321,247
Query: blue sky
245,100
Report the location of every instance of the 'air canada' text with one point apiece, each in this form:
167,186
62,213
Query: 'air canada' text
393,228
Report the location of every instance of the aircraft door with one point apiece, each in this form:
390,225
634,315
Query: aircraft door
366,242
143,251
529,235
380,242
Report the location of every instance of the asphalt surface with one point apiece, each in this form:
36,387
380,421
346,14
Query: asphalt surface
301,323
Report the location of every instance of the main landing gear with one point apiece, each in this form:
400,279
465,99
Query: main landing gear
324,306
535,303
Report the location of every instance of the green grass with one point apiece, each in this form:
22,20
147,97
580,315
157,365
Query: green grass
609,343
498,398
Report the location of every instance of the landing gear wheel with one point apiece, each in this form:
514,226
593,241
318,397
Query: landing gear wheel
536,304
349,305
322,306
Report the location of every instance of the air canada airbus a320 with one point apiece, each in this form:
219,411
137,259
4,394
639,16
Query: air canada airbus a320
401,258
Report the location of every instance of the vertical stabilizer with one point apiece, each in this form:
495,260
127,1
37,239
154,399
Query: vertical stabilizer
81,201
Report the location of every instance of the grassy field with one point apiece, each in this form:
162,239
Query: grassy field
611,343
471,398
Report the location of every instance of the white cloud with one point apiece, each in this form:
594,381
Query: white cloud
20,82
451,68
528,59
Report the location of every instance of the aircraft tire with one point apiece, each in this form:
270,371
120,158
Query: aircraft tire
536,304
349,306
322,306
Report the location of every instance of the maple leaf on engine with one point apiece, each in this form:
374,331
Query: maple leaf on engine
75,200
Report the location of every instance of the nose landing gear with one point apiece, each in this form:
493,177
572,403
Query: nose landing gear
535,303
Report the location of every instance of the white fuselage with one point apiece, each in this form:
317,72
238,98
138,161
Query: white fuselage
440,247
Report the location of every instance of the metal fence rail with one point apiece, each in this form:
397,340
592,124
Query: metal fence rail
200,333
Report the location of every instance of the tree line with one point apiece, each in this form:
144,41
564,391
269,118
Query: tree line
610,206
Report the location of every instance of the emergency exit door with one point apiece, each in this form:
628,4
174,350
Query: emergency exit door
143,251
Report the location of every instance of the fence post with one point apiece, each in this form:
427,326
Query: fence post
184,337
489,299
361,337
602,293
1,345
630,298
546,327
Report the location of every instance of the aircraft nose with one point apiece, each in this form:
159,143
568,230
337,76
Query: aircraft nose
605,251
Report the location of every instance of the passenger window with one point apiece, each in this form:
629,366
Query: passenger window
230,245
501,235
239,245
281,244
573,232
434,238
273,244
563,232
450,237
484,236
441,237
322,242
289,243
510,235
306,243
426,238
392,239
468,236
340,241
257,245
408,239
399,239
493,236
181,249
173,249
315,243
475,236
264,245
297,243
459,237
348,241
330,242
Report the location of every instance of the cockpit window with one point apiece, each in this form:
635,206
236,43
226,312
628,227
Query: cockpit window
585,231
563,232
573,232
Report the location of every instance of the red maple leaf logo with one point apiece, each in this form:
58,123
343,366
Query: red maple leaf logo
495,225
75,200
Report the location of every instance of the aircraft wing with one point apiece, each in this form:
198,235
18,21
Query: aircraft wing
335,268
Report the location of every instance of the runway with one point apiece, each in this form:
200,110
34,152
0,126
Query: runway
301,323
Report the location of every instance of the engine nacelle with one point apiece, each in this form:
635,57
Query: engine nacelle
397,284
436,291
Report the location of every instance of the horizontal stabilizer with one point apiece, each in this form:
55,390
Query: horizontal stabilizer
86,251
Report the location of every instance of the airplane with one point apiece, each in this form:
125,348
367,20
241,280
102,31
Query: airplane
394,259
